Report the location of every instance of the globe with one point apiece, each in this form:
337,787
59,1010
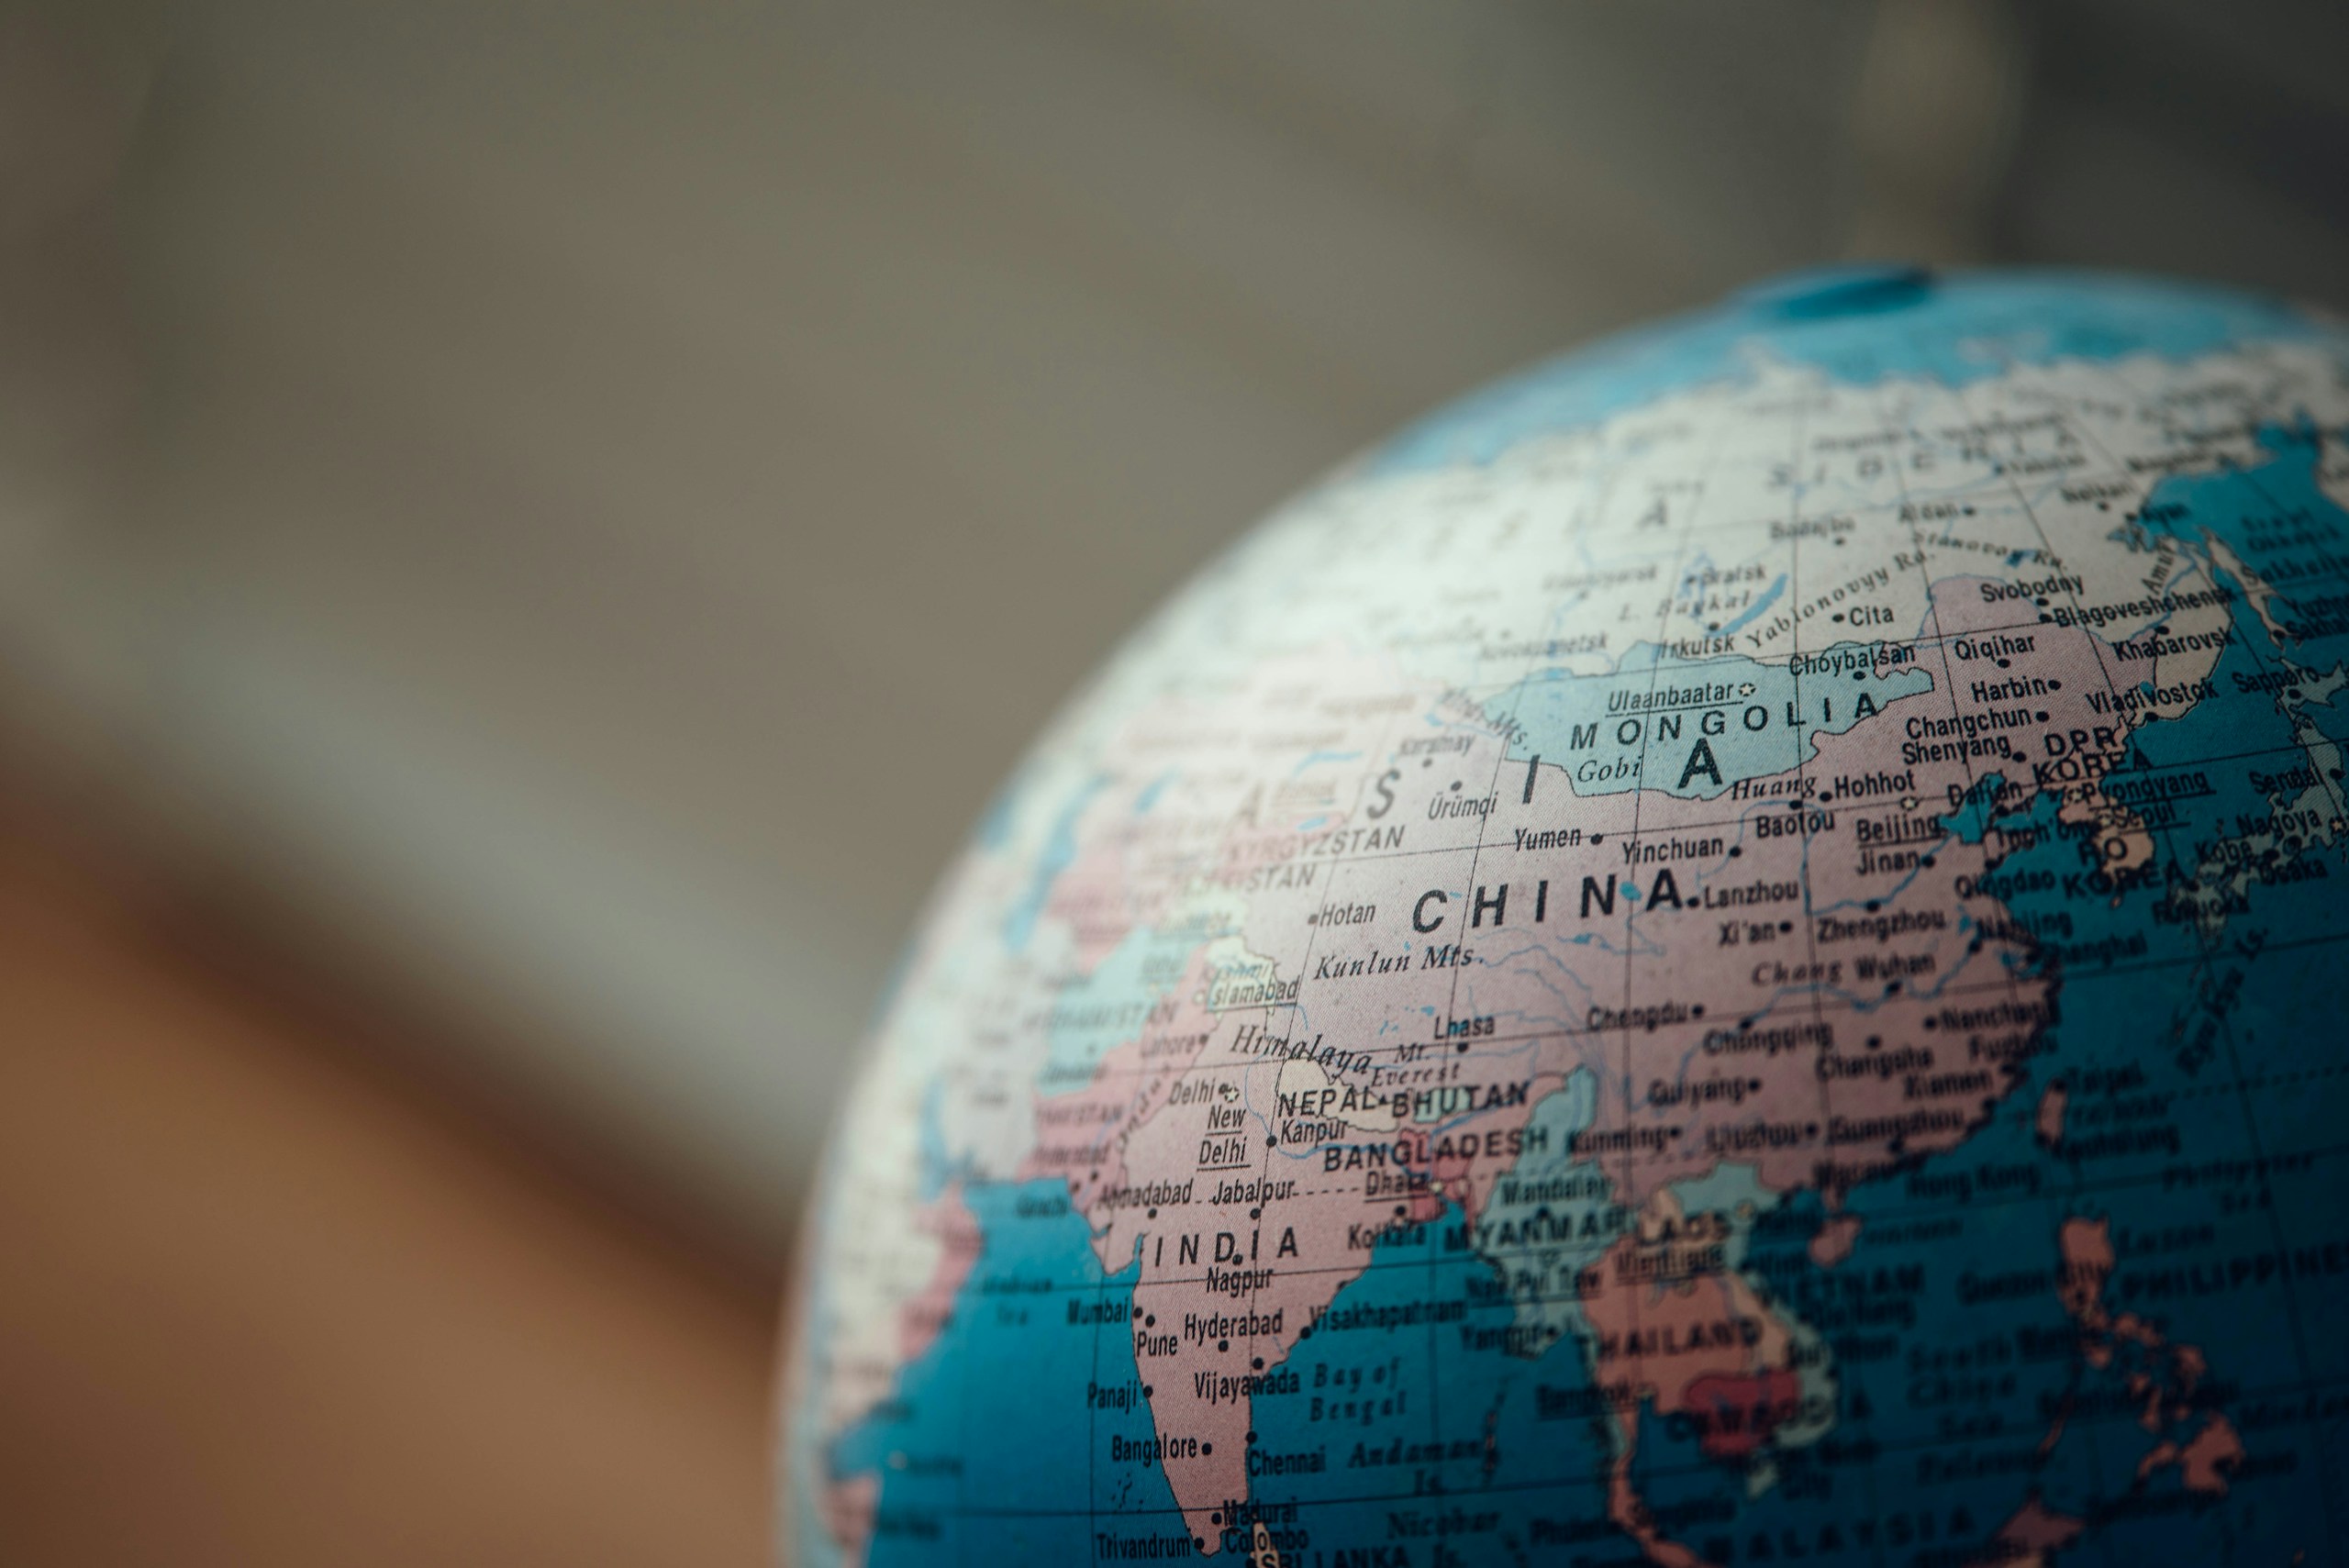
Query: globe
1730,951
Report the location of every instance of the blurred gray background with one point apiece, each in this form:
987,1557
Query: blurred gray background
555,517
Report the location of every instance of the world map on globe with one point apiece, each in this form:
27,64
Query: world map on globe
1730,951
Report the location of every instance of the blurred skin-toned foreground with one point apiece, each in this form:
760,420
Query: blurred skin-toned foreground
265,1300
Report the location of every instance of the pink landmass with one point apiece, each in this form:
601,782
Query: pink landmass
2085,1246
2031,1538
2203,1460
1670,1329
1835,1240
2166,1380
1733,1415
2214,1450
848,1504
2050,1119
926,1316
